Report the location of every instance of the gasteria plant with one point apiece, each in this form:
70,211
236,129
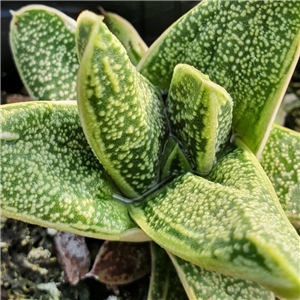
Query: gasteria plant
183,172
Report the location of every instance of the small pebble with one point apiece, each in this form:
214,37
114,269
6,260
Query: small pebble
38,255
51,288
51,231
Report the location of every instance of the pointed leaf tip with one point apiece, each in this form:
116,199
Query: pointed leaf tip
122,118
127,35
85,24
200,114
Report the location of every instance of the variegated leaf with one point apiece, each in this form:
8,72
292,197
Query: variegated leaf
248,47
50,177
121,113
164,282
174,160
42,40
127,35
281,161
85,23
233,224
200,114
201,284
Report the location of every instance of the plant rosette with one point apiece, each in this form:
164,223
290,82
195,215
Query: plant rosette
110,159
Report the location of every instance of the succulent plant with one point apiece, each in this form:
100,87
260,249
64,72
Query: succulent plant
103,155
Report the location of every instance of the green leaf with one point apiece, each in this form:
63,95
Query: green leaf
234,226
42,40
121,113
164,282
248,47
122,29
85,24
173,161
50,177
281,162
127,35
201,284
200,114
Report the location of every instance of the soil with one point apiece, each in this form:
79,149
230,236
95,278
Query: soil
30,268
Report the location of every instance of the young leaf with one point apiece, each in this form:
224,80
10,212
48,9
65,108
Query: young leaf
121,263
201,284
200,114
42,40
121,113
164,283
50,177
248,47
234,226
173,161
281,161
127,35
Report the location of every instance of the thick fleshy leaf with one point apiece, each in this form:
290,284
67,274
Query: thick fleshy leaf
50,177
73,254
235,226
173,161
201,284
281,162
127,35
121,263
248,47
164,283
121,113
85,23
42,40
200,114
